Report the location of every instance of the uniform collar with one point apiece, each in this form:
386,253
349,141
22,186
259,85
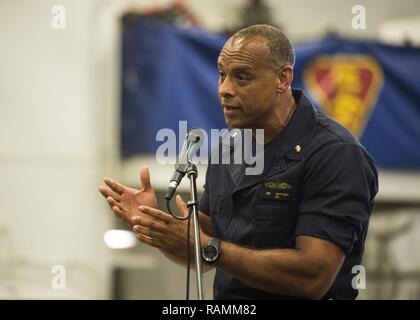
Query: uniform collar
300,129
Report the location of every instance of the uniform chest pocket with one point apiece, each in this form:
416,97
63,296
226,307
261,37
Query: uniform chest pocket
275,211
221,211
274,224
216,203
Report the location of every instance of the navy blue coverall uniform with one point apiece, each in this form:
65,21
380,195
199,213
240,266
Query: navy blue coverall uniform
317,181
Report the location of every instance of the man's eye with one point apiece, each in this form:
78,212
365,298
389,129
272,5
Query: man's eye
221,74
242,77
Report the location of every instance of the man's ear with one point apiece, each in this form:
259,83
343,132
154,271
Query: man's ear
285,78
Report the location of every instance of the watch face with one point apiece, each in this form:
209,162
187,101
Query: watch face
210,252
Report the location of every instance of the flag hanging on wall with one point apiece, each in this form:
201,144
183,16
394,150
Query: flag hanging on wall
169,74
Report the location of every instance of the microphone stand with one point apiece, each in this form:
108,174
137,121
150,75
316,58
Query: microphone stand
192,174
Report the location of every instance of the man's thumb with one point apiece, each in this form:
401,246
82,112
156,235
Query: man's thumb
145,178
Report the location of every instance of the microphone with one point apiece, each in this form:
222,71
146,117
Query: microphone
192,141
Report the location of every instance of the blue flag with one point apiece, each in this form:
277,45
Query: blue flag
169,74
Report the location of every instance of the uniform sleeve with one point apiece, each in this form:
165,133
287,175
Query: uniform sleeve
204,202
339,185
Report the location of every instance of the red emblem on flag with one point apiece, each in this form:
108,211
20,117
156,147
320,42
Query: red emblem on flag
346,87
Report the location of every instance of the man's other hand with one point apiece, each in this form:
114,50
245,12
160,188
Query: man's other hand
124,201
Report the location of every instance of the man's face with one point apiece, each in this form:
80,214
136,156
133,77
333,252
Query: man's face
247,83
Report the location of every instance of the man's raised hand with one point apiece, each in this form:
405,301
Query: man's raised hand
124,201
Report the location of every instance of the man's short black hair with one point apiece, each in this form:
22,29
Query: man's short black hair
281,49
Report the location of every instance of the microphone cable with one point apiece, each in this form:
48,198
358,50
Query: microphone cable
188,217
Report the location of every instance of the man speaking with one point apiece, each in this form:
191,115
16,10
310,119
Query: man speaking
294,231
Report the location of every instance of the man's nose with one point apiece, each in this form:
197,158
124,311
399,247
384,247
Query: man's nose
226,88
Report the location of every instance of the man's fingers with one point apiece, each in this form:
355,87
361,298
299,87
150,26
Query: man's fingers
145,178
118,212
156,213
115,186
113,203
109,193
135,219
148,232
149,241
151,225
103,191
182,206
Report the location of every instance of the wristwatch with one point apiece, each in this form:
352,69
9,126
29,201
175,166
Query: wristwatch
211,251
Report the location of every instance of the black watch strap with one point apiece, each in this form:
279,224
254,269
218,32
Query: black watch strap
215,242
